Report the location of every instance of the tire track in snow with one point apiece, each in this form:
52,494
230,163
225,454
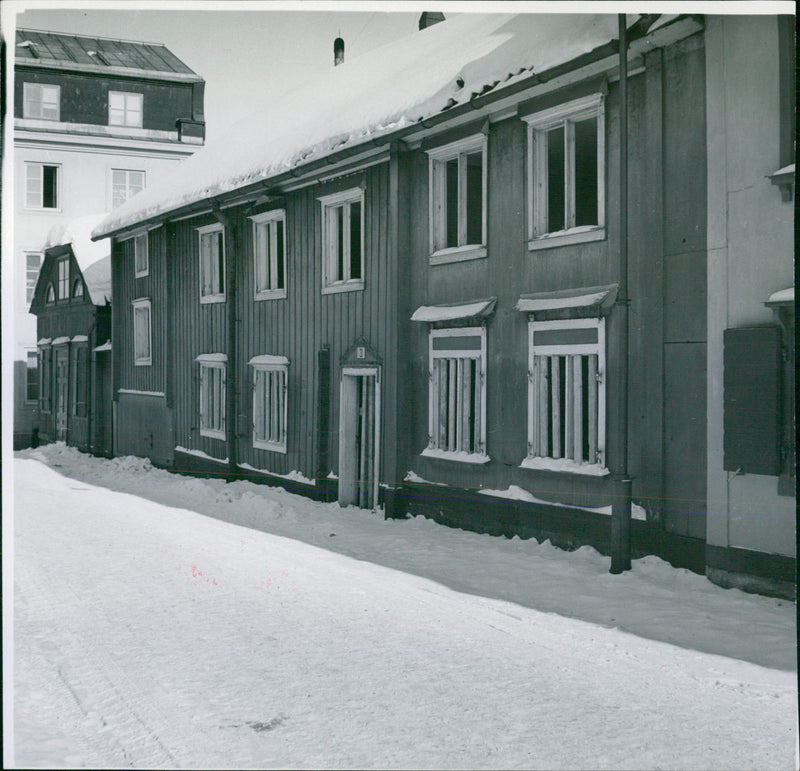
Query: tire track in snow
128,725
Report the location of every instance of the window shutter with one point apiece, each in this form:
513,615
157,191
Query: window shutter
752,400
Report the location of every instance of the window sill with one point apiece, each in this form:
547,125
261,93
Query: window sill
458,254
42,209
212,434
212,298
143,363
567,237
270,294
356,285
143,273
460,457
271,446
564,465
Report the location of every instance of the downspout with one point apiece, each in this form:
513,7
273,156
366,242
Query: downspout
92,377
230,367
621,504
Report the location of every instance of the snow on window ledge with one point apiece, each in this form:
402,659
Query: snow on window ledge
460,457
292,476
199,454
354,285
270,294
458,254
578,235
566,465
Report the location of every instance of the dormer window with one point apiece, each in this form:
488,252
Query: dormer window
41,101
63,279
124,109
77,288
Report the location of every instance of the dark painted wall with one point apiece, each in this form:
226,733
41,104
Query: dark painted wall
667,287
84,97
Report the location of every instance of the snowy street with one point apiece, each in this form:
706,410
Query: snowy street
166,621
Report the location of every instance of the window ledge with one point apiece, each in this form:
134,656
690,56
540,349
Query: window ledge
143,362
567,237
212,434
458,254
270,294
212,298
460,457
271,446
355,285
142,274
565,465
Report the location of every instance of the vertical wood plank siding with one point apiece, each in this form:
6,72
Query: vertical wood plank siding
128,288
295,327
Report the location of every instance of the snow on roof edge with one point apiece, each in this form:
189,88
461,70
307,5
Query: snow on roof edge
491,52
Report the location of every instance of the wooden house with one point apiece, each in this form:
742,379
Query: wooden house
411,291
72,305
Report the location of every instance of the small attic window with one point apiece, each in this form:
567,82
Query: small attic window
77,288
98,57
50,296
31,47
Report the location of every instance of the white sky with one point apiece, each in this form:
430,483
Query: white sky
231,44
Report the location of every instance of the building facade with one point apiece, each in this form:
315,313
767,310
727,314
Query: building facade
416,303
95,122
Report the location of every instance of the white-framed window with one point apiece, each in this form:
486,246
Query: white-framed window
566,173
124,184
63,279
141,254
212,263
457,200
343,241
33,264
42,186
269,254
41,101
50,294
32,376
142,335
124,108
567,395
270,388
457,394
77,288
212,395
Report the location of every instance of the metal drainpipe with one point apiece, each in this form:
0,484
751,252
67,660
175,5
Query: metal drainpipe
621,504
229,229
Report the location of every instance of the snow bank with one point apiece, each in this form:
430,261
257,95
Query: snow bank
367,97
653,600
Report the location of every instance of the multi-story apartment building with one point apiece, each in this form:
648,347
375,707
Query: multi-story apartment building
95,121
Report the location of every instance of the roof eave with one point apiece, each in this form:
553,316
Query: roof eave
664,35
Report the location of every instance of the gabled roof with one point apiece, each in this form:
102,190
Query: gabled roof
37,46
373,96
93,257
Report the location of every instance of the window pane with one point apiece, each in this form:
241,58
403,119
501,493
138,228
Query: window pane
555,179
355,239
451,203
32,264
475,198
33,185
50,187
281,256
32,380
339,214
135,182
261,236
586,172
220,266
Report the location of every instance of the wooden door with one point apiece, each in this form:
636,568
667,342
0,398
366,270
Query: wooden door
359,437
61,393
102,405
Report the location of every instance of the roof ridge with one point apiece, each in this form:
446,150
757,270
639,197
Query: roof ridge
92,37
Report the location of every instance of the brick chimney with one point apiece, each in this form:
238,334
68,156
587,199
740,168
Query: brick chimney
428,19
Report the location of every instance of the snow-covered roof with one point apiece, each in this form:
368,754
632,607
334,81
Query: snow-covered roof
454,311
783,297
267,360
586,297
371,96
93,257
